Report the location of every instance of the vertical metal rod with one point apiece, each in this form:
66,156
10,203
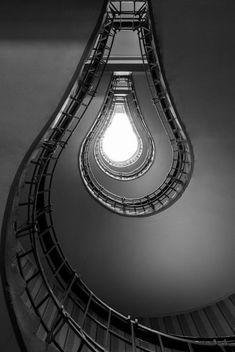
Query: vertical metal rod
161,343
132,335
86,311
190,347
107,330
69,288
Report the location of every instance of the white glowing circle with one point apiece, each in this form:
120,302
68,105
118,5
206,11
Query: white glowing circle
120,141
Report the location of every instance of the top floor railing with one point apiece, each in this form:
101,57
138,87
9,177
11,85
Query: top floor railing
136,16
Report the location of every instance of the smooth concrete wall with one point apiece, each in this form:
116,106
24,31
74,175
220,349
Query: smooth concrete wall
218,319
41,44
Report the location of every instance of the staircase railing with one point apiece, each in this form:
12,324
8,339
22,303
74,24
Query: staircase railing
70,317
179,175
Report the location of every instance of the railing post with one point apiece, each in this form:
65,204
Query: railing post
132,333
190,347
75,276
161,343
86,310
107,330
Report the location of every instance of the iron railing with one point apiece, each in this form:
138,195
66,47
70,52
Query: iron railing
144,156
71,317
181,169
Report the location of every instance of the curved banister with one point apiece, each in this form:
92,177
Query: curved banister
181,169
38,246
35,238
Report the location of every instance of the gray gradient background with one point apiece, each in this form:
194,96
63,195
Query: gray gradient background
183,258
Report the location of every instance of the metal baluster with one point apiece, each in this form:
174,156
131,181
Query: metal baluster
161,343
133,334
67,292
86,311
190,347
106,340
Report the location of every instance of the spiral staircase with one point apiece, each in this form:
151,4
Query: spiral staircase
50,306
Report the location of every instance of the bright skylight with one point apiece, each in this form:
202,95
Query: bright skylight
120,142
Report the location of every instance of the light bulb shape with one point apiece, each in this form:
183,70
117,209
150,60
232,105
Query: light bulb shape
120,141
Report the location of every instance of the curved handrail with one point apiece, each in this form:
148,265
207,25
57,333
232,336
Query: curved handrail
180,173
33,228
139,330
138,167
